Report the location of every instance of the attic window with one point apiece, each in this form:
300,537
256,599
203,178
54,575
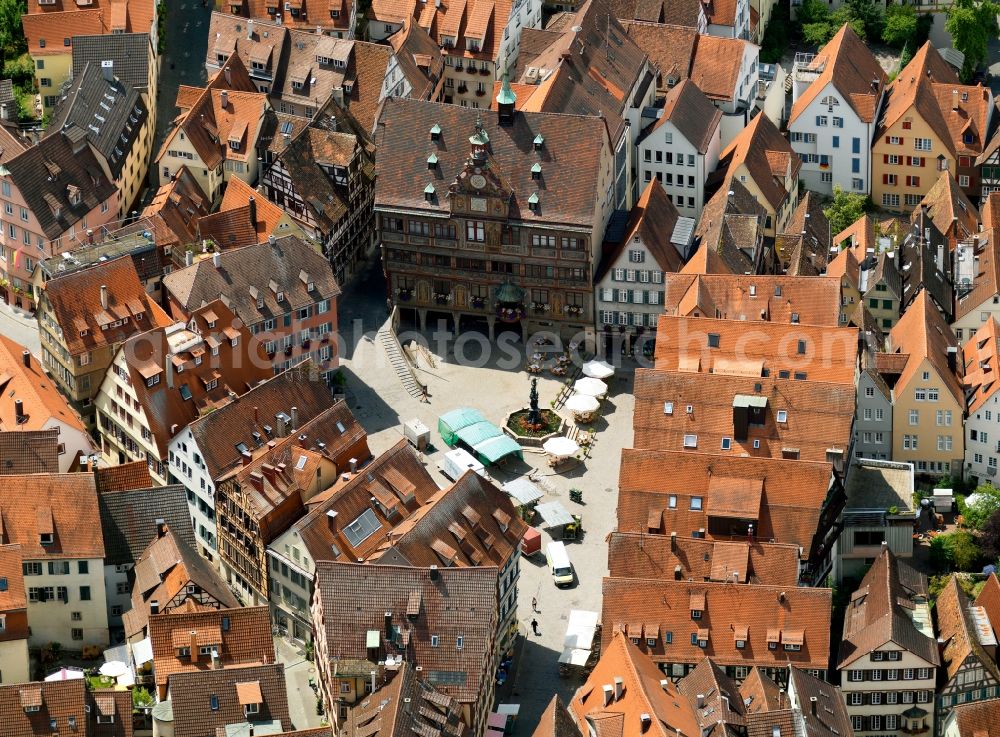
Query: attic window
536,171
83,333
690,441
795,318
435,132
777,290
533,202
713,340
45,538
432,161
668,408
782,415
539,140
429,192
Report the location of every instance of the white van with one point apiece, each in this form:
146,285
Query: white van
456,462
559,565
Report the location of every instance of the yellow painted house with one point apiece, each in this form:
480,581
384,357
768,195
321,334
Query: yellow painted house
928,398
932,123
764,162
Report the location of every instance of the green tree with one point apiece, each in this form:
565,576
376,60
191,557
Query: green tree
971,24
900,25
954,551
12,40
985,502
869,14
845,209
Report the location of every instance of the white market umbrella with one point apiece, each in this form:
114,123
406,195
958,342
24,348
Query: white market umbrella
561,447
65,674
582,403
591,387
113,669
598,369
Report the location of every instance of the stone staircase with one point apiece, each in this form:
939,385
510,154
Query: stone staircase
390,343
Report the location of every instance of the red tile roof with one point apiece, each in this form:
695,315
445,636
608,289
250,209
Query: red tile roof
42,403
768,158
922,334
61,504
12,596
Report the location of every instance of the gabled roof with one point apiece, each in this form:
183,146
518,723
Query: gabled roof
692,113
396,479
454,602
170,571
218,433
41,401
949,208
469,523
53,172
483,20
405,705
767,156
977,719
45,32
212,127
569,157
643,555
728,231
197,714
721,700
63,505
12,596
260,221
759,692
29,451
770,711
716,66
420,60
87,325
245,634
793,615
652,221
111,114
182,395
123,477
956,629
981,362
129,520
989,598
990,209
643,691
741,297
850,66
879,613
130,53
784,498
986,279
69,704
289,263
922,333
177,208
811,230
556,721
845,264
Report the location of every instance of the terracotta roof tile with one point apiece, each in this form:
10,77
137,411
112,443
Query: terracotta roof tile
29,451
808,222
790,610
740,297
793,496
653,219
641,693
759,692
989,598
716,66
814,424
720,698
644,555
986,281
946,203
45,31
670,47
59,701
922,333
956,630
692,113
176,209
729,228
876,616
165,408
76,305
767,156
67,502
205,700
851,67
245,632
979,719
981,362
12,596
556,721
457,602
129,518
123,477
756,349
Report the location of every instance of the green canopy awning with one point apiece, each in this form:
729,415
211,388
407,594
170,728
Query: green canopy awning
492,450
451,422
509,292
475,434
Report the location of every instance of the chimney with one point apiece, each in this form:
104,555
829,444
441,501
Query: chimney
678,572
161,528
224,99
4,111
255,415
246,457
388,625
434,573
18,411
952,358
812,705
271,239
354,465
154,607
217,260
229,75
781,597
108,69
194,646
673,542
104,296
609,694
619,688
188,258
700,700
26,358
331,519
268,470
249,30
295,419
644,721
252,204
282,424
216,660
954,99
665,684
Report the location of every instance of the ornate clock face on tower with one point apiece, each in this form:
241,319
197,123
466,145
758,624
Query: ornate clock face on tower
478,181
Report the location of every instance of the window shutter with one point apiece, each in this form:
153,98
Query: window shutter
885,179
901,140
885,158
817,120
909,160
923,161
887,139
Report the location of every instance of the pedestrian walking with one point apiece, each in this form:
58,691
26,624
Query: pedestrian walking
534,626
534,604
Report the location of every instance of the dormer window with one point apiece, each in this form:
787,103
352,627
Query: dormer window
280,297
538,142
46,538
536,171
429,192
533,202
260,303
435,132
